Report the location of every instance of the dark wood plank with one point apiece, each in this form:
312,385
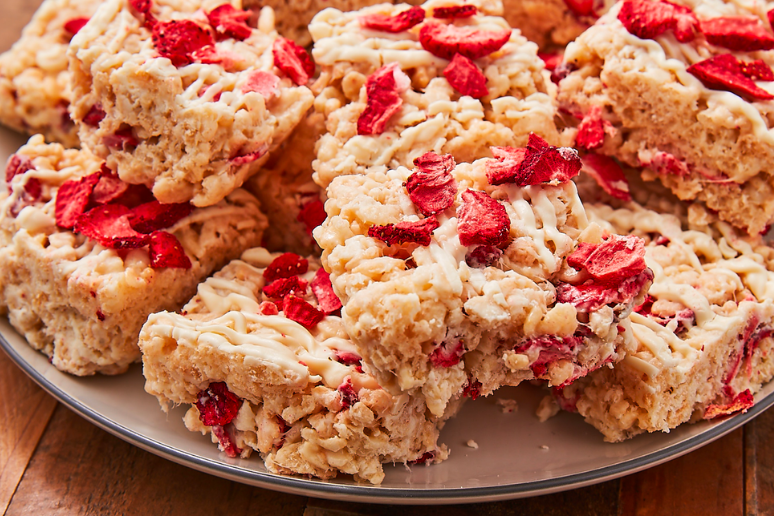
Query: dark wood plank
759,465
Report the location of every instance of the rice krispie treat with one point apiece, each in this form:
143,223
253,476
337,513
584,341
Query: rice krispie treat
457,279
266,365
34,79
184,95
684,90
399,81
703,334
86,257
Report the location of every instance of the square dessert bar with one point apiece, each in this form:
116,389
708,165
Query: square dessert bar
85,257
684,91
703,334
34,79
184,95
457,279
266,366
399,81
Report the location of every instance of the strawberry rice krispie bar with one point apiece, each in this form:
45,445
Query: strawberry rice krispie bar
683,90
85,257
184,96
266,365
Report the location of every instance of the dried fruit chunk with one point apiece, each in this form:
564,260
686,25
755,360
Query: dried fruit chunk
404,20
455,11
226,441
167,251
153,216
285,266
230,22
327,300
293,60
592,129
608,174
666,163
551,348
505,167
648,19
592,296
95,115
724,72
741,403
432,187
472,390
482,220
109,226
268,308
756,70
418,232
551,60
483,256
217,405
177,40
284,286
72,199
740,33
465,77
296,309
32,192
770,17
245,159
264,83
108,188
74,25
581,7
538,163
123,139
444,41
347,394
312,214
612,261
383,88
447,353
17,164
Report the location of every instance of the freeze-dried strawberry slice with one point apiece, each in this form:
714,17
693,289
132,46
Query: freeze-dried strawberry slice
17,164
756,70
32,192
264,83
592,129
666,163
741,403
505,167
226,442
465,77
312,214
447,353
230,22
418,232
296,309
455,11
166,251
739,33
608,174
591,296
109,226
723,72
551,348
348,358
612,261
123,139
404,20
108,188
432,187
286,266
770,17
293,60
551,60
581,7
483,256
444,41
327,300
153,216
210,54
177,40
383,88
250,157
472,389
94,116
482,220
425,458
267,308
217,405
347,394
74,25
142,10
542,163
648,19
72,199
282,287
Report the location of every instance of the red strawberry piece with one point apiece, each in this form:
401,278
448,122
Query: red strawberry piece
94,116
153,216
723,72
166,251
142,10
455,11
465,77
472,389
209,54
648,19
18,164
590,296
296,309
425,458
740,33
347,358
447,353
505,167
418,232
741,403
383,98
551,60
404,20
109,226
312,214
612,261
268,308
432,187
544,163
756,70
482,220
123,139
230,22
561,71
608,174
217,405
72,199
347,394
551,349
444,41
327,300
665,163
581,7
245,159
108,189
591,131
264,83
483,256
293,60
73,25
226,441
282,287
177,40
32,192
286,266
770,17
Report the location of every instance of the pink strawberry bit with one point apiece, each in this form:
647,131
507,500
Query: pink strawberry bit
230,22
177,40
756,70
286,266
74,25
425,458
561,71
738,33
482,220
32,192
312,214
741,403
581,7
608,174
348,358
72,199
505,167
210,54
544,163
648,19
217,405
264,83
592,129
551,60
483,256
296,309
432,187
108,188
551,348
284,286
166,251
347,394
109,226
327,300
444,41
153,216
447,353
94,115
268,308
455,12
418,232
226,441
591,296
17,165
565,403
472,389
250,157
293,60
724,72
404,20
770,17
466,77
123,139
383,89
665,163
612,261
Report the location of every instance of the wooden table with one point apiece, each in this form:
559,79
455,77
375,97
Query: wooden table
53,461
